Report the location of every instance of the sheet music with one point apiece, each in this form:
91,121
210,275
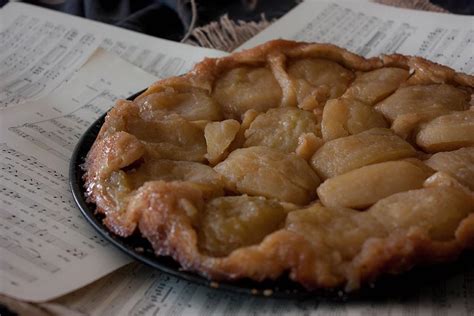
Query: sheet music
371,29
41,49
140,290
46,247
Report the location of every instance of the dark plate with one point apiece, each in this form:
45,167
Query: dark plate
410,283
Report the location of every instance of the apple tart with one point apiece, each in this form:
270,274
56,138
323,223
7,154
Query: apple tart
295,159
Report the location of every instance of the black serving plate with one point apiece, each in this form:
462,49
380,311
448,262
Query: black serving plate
401,286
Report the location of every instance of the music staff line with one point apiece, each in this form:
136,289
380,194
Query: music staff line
33,165
59,49
67,222
42,234
50,139
26,182
62,204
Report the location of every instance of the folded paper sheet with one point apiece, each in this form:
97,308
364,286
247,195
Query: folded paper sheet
41,49
46,246
371,29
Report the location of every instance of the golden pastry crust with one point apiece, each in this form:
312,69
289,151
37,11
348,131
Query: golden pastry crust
238,170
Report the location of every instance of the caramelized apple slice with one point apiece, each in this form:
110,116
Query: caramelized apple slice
437,210
344,117
373,86
233,222
317,80
447,132
458,163
270,173
193,105
169,170
308,143
363,187
348,153
219,136
280,128
427,100
407,125
246,88
336,233
339,233
173,138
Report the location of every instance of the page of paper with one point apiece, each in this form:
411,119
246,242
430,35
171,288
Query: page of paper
139,290
40,49
46,247
371,29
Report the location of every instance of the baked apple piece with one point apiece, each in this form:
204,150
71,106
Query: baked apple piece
308,143
174,138
363,187
344,117
458,163
169,137
337,234
281,128
436,210
112,153
246,88
344,154
447,132
219,136
232,222
427,101
192,105
170,170
411,106
267,172
318,80
347,241
372,86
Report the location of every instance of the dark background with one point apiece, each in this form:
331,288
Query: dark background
170,18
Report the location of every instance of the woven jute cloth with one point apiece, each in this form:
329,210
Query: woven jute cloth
224,34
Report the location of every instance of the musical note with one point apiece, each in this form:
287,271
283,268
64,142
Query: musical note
400,36
39,56
25,176
36,207
60,134
42,234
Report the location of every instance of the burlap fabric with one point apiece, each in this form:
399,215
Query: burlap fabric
227,34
